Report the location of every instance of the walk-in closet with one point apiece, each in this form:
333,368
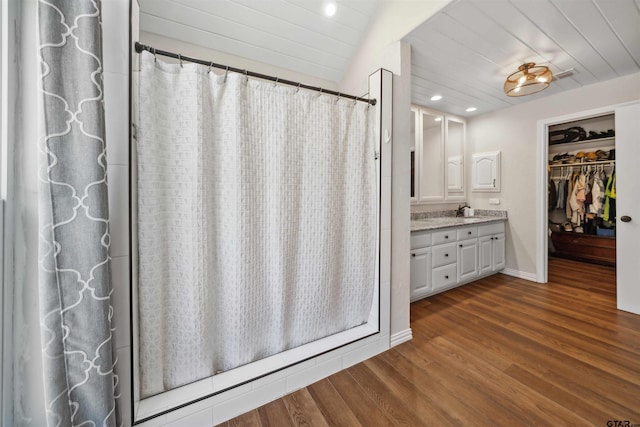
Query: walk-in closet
582,190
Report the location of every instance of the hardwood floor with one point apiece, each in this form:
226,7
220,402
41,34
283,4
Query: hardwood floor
501,351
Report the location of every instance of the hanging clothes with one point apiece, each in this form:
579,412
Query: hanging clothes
562,194
577,201
553,194
597,195
581,195
570,196
610,199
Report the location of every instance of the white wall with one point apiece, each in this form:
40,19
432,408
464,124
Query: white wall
393,20
115,54
396,58
513,131
22,256
401,194
381,48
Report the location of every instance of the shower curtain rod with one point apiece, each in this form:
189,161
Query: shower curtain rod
140,47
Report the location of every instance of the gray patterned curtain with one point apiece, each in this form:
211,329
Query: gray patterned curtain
81,385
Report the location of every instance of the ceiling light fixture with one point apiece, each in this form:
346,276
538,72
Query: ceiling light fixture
330,9
436,97
528,79
471,109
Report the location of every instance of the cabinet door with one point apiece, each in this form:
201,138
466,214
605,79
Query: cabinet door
467,260
498,252
454,138
455,176
485,172
420,273
485,254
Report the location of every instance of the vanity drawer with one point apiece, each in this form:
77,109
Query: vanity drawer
444,236
444,254
420,239
443,277
491,228
465,233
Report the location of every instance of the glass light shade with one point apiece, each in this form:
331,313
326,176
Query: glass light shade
528,79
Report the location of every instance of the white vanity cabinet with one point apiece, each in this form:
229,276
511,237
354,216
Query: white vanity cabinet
420,273
467,260
444,258
444,261
420,266
491,248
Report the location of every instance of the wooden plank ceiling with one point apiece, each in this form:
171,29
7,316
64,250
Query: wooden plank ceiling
463,53
466,51
293,34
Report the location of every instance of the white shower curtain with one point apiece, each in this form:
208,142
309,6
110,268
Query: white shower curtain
257,220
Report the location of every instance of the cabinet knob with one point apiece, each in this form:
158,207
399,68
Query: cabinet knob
446,237
625,218
413,254
446,254
446,277
460,245
468,232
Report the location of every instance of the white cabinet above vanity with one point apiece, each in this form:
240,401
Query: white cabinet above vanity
445,255
437,156
485,172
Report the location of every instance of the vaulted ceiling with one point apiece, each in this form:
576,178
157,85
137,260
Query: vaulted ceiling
463,53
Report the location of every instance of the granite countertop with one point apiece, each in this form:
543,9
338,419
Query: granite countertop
429,221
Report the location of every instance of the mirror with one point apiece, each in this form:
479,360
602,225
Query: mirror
437,156
432,156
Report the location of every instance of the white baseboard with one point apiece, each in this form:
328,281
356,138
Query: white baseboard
400,337
521,274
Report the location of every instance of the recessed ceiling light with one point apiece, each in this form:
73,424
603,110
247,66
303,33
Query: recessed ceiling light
470,109
330,9
436,97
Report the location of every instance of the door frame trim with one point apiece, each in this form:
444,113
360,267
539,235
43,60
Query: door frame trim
542,177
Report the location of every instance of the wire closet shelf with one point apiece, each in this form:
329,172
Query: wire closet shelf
140,47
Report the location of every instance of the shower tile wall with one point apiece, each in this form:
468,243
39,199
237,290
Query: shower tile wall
115,23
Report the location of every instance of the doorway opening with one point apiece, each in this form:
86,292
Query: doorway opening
578,171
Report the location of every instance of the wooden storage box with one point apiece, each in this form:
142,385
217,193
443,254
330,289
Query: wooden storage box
585,247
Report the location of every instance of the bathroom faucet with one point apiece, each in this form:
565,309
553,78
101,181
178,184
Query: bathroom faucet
460,211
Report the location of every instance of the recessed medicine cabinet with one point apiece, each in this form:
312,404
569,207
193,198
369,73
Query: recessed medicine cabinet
437,156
